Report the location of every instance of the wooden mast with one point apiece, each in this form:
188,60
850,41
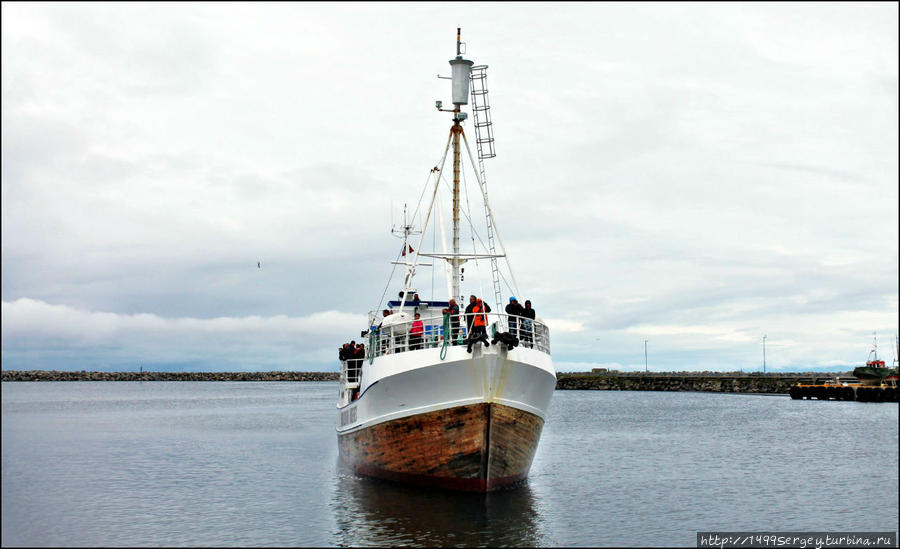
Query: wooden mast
455,131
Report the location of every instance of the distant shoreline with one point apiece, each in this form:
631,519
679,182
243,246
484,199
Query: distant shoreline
56,375
711,382
778,383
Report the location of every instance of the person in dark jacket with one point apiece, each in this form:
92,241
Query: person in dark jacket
359,353
469,316
528,324
514,310
453,311
479,325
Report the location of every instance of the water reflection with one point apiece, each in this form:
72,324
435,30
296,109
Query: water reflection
371,512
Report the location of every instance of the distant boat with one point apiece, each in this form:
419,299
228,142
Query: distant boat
421,407
875,372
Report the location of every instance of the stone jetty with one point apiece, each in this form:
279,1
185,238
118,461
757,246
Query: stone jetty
713,382
54,375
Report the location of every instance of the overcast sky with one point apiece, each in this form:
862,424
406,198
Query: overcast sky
694,175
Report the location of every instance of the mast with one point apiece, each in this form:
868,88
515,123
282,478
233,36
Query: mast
460,73
462,77
455,131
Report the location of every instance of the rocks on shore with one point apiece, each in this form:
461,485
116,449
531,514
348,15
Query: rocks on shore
54,375
682,381
714,383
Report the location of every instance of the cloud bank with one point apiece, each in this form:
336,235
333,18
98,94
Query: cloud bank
695,175
35,333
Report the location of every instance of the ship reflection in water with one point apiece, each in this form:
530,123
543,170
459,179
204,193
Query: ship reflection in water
371,512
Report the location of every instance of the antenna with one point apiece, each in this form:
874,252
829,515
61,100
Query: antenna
460,69
896,348
875,345
405,230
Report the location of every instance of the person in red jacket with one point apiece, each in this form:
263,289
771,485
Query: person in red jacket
415,334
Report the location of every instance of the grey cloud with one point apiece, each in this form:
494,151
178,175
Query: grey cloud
818,170
665,165
30,325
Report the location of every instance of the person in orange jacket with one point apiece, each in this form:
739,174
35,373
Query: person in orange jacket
479,324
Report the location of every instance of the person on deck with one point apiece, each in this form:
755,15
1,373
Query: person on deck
383,335
384,314
415,334
359,353
514,310
479,325
453,310
528,324
469,316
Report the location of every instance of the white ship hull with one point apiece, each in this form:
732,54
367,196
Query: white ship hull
470,421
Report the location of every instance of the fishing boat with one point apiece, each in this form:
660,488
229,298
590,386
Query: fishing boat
427,404
875,373
876,383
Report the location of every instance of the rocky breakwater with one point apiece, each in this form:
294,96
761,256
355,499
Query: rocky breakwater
713,383
54,375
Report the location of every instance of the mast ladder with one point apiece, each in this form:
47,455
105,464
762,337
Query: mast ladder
484,141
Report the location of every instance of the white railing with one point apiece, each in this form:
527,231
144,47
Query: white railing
397,338
350,371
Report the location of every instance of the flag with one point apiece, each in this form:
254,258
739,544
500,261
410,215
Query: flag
405,251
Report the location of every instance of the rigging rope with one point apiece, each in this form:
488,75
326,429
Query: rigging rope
474,232
433,237
394,269
421,195
468,218
447,336
386,286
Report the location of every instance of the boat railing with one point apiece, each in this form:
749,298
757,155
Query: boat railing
403,336
350,371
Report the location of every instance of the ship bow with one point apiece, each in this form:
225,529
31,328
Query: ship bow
476,447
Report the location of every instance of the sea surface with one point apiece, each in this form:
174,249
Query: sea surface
256,464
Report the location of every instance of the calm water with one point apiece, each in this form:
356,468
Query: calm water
113,464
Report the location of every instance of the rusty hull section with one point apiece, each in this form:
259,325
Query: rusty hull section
478,447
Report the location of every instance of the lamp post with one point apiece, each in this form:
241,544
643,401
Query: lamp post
764,354
645,357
